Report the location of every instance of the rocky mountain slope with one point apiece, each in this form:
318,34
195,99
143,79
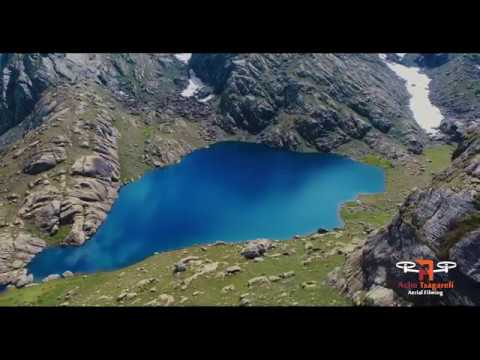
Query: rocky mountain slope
455,88
72,134
439,222
142,82
74,127
312,101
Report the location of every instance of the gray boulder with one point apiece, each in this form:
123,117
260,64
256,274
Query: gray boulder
380,296
51,277
256,248
44,160
67,274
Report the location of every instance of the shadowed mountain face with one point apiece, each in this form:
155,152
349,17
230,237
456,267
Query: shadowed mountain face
456,90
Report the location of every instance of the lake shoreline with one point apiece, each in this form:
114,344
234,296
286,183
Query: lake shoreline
309,157
208,145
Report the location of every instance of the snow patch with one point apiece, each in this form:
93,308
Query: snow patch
425,113
401,55
77,58
184,57
194,84
208,98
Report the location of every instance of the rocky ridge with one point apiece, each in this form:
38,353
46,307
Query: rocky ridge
439,222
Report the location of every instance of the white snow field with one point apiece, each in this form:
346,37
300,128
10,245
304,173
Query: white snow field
425,113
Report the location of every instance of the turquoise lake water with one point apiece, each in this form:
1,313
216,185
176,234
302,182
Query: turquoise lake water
229,192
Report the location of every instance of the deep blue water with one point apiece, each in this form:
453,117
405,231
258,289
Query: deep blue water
228,192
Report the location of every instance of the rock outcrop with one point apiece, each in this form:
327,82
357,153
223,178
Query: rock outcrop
257,248
163,152
441,222
44,159
16,250
86,200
